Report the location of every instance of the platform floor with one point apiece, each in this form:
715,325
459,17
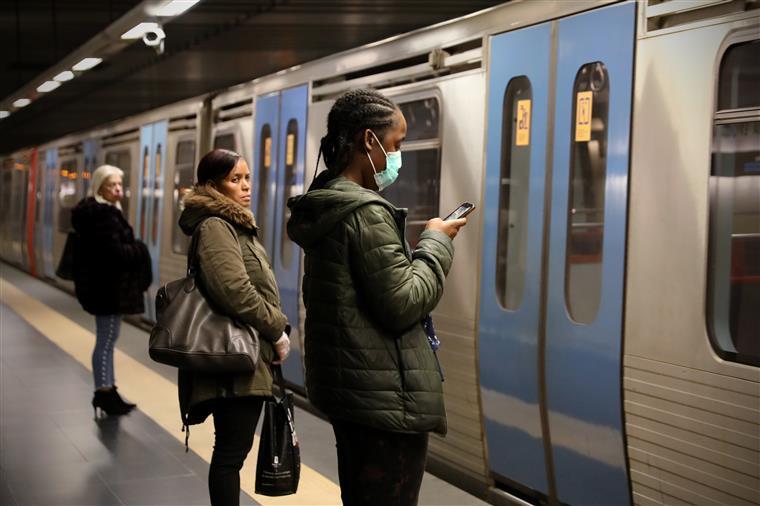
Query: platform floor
52,451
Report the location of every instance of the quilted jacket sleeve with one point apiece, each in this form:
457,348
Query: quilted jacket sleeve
227,284
399,292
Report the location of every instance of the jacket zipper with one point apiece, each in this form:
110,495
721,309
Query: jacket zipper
400,364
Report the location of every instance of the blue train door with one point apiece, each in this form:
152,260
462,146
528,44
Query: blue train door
90,148
279,151
49,189
510,278
150,185
554,256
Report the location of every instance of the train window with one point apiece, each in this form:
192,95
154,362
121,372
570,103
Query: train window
184,171
418,185
123,160
421,119
265,173
733,294
513,193
225,141
585,214
739,85
67,194
291,162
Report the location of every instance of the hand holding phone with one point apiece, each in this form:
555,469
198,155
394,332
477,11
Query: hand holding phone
453,222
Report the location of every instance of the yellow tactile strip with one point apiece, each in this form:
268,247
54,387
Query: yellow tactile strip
157,397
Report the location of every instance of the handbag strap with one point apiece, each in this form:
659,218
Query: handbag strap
279,379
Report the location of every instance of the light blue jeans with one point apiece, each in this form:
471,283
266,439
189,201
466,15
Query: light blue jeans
106,332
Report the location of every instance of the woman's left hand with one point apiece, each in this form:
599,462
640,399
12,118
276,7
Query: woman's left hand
282,348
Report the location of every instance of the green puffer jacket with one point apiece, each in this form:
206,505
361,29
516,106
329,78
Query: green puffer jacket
242,286
368,360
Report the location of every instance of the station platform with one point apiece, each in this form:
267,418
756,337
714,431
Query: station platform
53,451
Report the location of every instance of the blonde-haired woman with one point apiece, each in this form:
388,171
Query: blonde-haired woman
111,272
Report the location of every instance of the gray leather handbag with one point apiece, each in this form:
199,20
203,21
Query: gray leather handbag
191,335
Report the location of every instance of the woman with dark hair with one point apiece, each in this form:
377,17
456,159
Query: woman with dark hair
111,272
237,279
369,364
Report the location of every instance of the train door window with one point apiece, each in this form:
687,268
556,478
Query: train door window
67,194
291,155
143,218
225,141
184,171
265,174
418,185
123,160
585,214
514,180
733,295
157,194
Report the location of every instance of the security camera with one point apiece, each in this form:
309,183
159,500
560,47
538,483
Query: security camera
155,38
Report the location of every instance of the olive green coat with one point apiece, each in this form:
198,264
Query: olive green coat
237,279
368,360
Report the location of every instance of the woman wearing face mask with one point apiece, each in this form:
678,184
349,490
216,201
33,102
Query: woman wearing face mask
111,272
237,279
369,365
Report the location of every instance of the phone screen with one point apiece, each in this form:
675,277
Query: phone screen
461,211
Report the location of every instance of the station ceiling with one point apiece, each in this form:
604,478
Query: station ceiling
218,43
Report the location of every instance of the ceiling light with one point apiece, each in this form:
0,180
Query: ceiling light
87,64
4,114
173,8
21,102
48,86
64,76
136,32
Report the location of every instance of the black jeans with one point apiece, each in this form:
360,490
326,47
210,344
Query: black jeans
235,422
378,467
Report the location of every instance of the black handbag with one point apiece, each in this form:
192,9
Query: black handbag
191,335
278,467
65,268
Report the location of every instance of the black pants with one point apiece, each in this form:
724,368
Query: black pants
235,422
378,467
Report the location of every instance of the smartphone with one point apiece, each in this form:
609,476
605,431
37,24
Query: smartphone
460,212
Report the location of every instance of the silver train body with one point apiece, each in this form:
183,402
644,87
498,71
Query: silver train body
589,351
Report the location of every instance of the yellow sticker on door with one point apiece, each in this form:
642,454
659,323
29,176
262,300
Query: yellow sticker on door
290,143
267,152
522,135
583,105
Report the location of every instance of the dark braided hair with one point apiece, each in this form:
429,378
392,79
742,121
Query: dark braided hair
354,111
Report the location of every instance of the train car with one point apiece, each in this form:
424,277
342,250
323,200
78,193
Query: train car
601,338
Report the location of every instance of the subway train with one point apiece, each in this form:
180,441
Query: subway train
600,325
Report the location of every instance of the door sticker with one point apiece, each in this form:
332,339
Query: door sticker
583,105
522,135
268,152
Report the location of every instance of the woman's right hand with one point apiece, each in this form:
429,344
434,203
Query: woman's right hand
450,228
282,349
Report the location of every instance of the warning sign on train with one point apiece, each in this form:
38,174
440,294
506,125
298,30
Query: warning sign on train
290,143
267,152
522,135
583,106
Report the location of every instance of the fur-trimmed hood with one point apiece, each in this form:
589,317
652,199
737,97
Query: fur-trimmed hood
202,202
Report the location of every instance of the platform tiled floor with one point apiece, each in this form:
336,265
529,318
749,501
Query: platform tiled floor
52,451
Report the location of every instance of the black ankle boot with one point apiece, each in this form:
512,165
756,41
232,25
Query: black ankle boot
105,400
118,400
